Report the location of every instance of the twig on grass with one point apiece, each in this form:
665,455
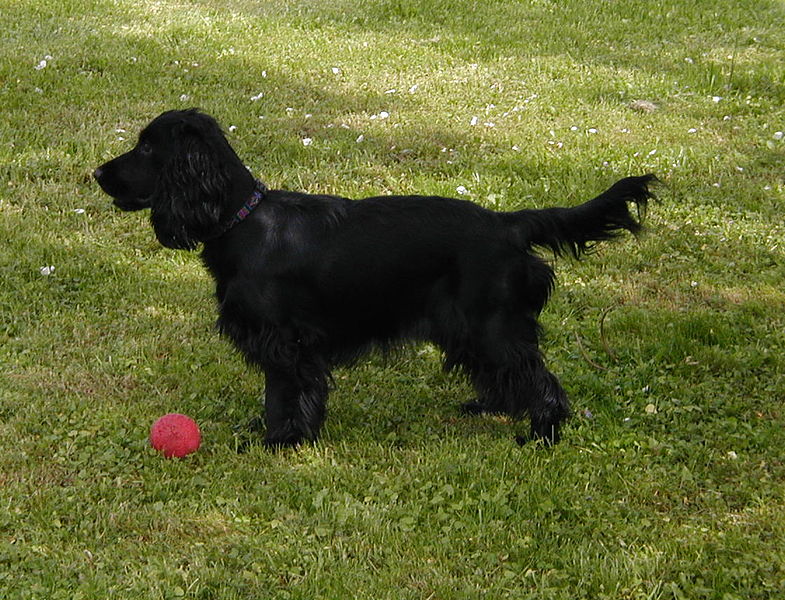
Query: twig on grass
603,339
586,356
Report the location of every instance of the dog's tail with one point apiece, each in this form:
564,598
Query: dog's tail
575,230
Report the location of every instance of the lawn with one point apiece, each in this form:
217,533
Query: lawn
670,479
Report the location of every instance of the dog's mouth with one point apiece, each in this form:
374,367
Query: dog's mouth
131,204
120,198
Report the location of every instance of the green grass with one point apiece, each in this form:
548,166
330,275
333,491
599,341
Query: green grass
670,481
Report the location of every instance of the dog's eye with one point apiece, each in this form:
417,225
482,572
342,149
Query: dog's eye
145,148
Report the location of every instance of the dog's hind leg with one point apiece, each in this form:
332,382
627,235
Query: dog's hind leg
548,406
295,405
505,365
523,387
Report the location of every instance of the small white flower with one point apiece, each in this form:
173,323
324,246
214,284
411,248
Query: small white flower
740,169
79,211
693,284
360,138
392,91
47,270
184,97
653,152
689,60
490,124
384,114
778,135
592,130
474,121
574,128
336,71
308,115
258,96
264,74
692,130
40,65
232,128
732,455
767,187
625,130
516,148
726,118
461,190
307,141
413,88
716,99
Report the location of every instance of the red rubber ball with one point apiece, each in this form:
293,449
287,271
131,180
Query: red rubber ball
175,435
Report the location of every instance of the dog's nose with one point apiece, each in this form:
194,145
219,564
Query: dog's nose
97,173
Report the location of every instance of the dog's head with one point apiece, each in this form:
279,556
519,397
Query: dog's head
181,168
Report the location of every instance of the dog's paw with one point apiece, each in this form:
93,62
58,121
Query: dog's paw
288,435
276,444
476,407
472,408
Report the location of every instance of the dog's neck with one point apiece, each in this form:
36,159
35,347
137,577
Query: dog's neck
250,198
247,208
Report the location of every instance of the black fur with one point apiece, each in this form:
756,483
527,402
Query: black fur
309,282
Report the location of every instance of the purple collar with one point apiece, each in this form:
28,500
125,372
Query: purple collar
248,207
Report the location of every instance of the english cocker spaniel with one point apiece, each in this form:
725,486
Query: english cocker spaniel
307,282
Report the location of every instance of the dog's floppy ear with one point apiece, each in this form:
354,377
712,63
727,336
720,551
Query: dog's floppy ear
193,185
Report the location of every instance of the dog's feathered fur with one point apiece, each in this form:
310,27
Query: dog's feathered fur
308,282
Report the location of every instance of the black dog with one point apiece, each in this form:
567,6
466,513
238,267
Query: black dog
308,282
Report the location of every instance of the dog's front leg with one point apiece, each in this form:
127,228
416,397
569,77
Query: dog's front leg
295,405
